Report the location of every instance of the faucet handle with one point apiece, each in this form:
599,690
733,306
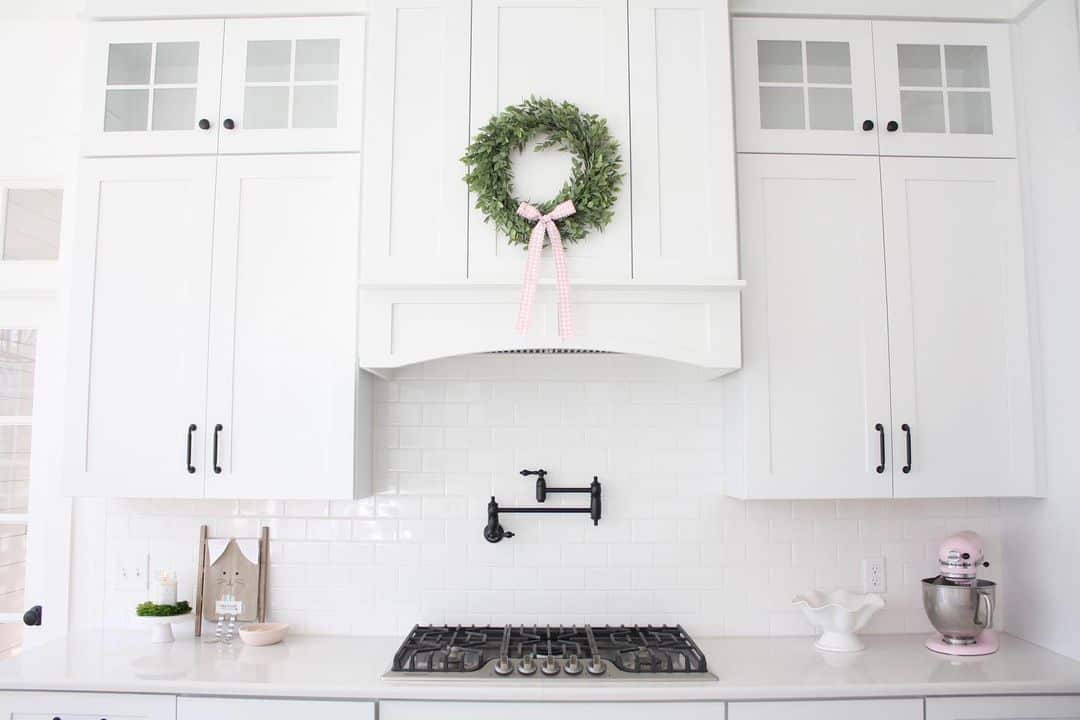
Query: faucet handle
539,473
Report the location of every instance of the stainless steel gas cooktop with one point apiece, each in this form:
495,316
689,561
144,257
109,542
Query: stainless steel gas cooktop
576,653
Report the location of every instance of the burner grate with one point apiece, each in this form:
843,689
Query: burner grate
629,648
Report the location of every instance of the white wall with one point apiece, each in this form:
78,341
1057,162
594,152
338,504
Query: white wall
1042,540
670,547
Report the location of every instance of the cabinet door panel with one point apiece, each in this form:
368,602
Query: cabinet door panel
283,339
140,314
816,366
85,706
190,708
292,84
902,709
509,63
416,206
1043,707
948,86
958,327
804,86
148,84
541,711
684,175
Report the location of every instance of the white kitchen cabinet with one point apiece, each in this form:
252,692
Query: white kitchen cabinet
958,328
140,316
509,64
815,384
805,86
862,87
416,205
85,706
148,86
282,383
1044,707
947,87
167,87
899,709
419,710
195,708
292,85
682,138
215,292
841,375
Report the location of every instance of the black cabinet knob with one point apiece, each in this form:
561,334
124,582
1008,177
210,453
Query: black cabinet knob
867,125
204,124
32,617
892,126
229,124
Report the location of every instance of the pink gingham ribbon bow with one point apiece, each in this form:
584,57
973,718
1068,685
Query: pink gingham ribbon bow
545,224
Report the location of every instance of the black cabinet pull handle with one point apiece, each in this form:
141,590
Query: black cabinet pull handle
190,433
217,434
32,617
228,124
204,124
867,125
881,448
892,126
907,432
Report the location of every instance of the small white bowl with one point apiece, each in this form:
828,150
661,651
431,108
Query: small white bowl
259,634
839,615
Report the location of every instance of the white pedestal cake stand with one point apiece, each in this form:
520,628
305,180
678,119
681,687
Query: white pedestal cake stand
161,627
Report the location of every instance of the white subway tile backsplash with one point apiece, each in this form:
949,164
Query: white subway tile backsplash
670,547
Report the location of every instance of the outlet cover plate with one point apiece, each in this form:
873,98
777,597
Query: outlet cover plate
873,573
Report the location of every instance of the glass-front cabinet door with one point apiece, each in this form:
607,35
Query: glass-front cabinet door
152,87
292,85
804,86
945,89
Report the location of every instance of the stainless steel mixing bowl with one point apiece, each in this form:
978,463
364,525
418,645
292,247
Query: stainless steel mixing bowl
959,611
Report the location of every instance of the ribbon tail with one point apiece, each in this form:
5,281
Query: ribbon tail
562,285
532,276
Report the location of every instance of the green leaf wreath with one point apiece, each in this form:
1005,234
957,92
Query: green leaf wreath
595,176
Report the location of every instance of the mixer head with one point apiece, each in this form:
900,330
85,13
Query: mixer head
960,556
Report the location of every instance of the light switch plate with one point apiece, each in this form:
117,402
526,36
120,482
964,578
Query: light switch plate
131,571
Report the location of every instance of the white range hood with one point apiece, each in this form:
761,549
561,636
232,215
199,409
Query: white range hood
407,325
661,280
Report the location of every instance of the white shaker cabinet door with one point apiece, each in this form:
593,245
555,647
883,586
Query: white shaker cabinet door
207,708
416,205
292,85
1043,707
945,89
406,710
140,314
152,87
900,709
805,86
959,345
85,706
813,393
283,376
573,51
684,175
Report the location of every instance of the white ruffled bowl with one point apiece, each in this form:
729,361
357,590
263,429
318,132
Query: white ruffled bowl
839,615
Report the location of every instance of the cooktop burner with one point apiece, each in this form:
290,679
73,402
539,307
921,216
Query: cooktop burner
522,651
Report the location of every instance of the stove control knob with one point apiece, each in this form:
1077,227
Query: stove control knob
550,666
527,666
503,666
573,666
596,667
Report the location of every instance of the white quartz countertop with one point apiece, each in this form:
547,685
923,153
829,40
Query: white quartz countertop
340,667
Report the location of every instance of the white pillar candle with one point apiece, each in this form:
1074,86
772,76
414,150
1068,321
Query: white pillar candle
163,591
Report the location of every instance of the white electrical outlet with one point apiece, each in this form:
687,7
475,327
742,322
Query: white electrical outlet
131,571
873,575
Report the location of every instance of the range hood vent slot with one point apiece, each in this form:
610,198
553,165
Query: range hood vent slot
551,351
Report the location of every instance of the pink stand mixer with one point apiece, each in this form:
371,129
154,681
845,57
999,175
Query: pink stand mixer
959,605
